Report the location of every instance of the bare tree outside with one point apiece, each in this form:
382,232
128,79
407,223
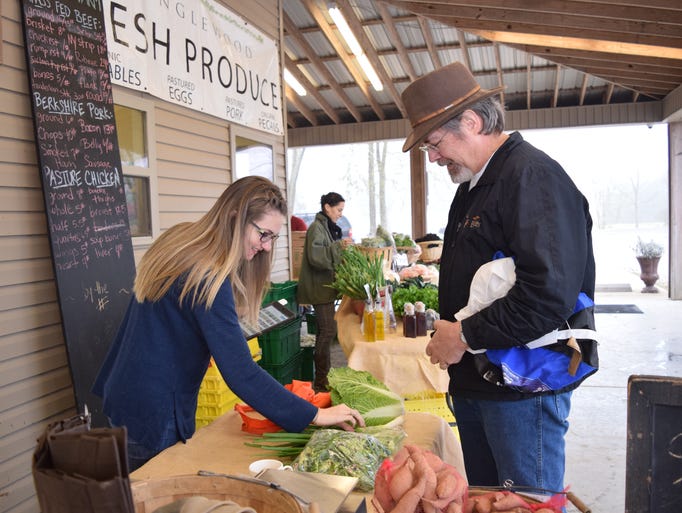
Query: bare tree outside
295,159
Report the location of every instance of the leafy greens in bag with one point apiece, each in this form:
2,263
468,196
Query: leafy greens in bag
362,391
343,453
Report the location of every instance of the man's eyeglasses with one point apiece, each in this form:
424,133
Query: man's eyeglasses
427,147
265,235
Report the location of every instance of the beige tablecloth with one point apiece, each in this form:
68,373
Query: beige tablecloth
398,362
219,447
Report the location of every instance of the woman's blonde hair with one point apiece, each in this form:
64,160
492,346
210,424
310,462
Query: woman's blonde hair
208,251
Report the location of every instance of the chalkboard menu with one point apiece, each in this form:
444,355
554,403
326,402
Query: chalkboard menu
653,477
80,169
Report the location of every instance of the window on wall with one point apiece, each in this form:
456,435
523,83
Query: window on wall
133,127
252,158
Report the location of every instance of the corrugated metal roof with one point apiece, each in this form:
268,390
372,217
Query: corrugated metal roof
497,39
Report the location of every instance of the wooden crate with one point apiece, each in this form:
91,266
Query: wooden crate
297,246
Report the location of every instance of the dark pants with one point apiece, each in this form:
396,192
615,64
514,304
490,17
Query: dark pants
326,332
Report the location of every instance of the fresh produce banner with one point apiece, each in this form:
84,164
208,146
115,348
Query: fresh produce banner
197,54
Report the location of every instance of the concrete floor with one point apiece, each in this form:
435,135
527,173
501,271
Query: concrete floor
630,344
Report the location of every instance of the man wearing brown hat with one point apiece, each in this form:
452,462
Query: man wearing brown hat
513,201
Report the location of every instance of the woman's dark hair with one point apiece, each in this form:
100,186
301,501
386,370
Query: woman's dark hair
332,199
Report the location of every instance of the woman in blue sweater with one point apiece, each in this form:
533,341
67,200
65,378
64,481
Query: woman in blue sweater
192,287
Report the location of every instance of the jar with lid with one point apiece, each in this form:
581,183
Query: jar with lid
409,321
420,318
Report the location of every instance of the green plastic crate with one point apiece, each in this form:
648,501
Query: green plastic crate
287,371
311,323
285,290
280,344
308,363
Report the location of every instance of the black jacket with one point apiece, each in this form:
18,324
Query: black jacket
526,206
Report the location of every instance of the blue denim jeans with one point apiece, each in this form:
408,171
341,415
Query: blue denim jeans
521,441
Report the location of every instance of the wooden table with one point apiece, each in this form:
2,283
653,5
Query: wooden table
219,447
398,362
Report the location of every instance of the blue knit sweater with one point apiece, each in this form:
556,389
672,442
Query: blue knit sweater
151,376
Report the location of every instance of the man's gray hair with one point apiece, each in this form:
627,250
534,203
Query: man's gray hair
491,112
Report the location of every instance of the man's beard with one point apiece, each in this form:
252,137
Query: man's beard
459,173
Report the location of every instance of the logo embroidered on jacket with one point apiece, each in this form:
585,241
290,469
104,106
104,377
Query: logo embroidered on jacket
472,222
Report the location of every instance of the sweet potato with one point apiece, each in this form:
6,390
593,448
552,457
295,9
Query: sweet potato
410,500
504,501
454,507
434,461
482,504
401,480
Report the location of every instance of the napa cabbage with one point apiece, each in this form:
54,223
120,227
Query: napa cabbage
362,391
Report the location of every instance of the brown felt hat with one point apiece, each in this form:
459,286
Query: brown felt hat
439,96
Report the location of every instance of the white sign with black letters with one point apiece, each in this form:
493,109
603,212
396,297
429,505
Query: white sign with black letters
198,54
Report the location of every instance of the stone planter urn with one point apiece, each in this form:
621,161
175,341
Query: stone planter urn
649,272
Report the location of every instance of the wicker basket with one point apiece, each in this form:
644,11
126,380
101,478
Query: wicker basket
431,250
151,494
387,253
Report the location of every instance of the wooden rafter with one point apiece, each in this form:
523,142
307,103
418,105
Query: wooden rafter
341,51
464,48
500,75
295,100
583,88
557,81
320,67
394,37
529,82
428,39
371,54
311,89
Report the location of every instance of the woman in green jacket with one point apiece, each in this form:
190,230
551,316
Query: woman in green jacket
321,255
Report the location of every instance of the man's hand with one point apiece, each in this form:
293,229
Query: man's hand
446,346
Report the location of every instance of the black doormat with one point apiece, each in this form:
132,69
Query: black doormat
614,309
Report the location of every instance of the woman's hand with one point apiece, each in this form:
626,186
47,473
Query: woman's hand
340,415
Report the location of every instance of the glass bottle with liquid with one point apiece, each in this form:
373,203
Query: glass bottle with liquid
409,321
368,322
420,318
378,319
389,314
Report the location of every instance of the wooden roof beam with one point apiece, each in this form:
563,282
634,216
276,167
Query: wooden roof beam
578,40
464,48
498,66
295,100
644,22
397,41
341,51
557,80
312,90
371,54
428,39
320,67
